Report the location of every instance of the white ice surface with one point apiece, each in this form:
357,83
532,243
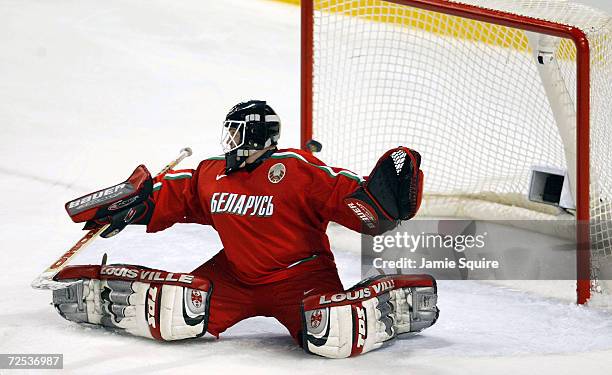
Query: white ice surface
89,89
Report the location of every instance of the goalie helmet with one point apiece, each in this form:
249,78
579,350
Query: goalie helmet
248,127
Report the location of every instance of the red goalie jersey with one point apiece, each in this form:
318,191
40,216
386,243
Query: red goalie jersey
271,219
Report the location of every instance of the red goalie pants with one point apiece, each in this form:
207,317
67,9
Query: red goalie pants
232,300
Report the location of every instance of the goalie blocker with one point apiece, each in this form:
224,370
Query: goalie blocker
128,202
141,301
368,315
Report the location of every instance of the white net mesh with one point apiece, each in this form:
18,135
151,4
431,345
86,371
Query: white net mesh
468,96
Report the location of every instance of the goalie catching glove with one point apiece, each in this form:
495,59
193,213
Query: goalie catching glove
391,193
369,314
142,301
126,203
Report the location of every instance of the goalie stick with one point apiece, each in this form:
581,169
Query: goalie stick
45,279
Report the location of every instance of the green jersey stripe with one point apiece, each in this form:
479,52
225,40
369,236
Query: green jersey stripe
326,169
177,176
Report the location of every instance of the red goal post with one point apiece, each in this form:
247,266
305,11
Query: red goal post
510,20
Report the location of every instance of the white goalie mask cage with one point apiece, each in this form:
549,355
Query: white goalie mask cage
232,135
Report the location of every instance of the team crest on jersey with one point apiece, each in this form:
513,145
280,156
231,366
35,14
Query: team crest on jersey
277,173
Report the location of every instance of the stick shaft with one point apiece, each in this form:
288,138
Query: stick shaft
186,152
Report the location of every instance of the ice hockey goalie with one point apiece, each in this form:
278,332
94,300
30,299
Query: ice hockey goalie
271,208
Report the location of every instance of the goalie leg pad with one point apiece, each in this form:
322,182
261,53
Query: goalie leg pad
141,301
368,315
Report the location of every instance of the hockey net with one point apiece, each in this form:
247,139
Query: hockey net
484,90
